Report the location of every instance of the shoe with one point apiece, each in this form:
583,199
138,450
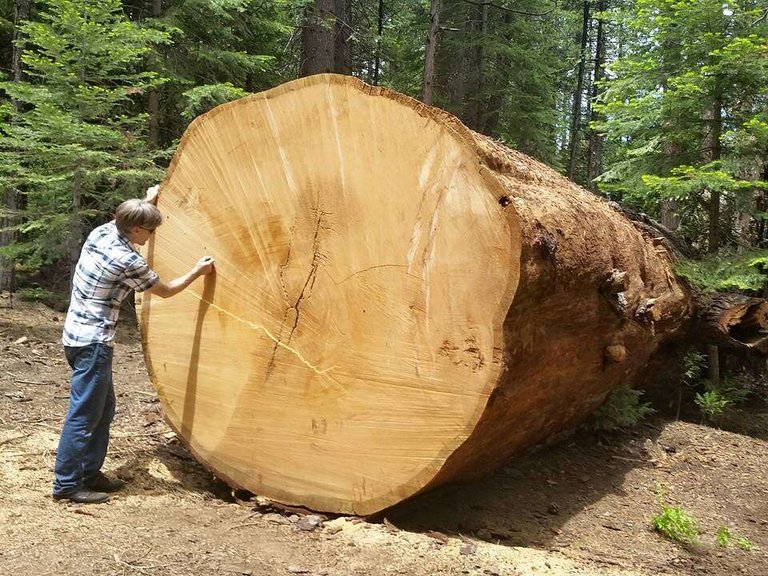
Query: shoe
83,496
100,482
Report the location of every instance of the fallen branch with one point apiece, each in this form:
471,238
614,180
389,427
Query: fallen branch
8,440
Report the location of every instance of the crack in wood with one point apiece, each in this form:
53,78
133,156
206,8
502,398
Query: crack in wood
271,336
309,283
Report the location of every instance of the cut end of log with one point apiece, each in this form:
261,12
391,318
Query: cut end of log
349,341
398,302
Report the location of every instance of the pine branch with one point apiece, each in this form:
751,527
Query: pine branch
509,10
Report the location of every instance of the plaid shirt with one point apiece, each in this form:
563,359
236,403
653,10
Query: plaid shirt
108,269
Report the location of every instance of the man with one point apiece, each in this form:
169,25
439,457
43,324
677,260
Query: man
108,269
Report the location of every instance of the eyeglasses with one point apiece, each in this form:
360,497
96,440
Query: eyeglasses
150,230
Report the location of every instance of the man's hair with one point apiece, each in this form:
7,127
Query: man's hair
137,212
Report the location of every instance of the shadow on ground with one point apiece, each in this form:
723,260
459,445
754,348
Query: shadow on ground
167,467
526,502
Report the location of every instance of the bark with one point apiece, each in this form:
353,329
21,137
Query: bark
380,32
398,303
577,94
8,237
731,320
713,122
669,214
13,199
342,63
75,225
762,205
474,105
431,50
595,139
711,143
153,99
318,47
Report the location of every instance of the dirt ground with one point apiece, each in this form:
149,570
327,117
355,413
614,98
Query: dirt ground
580,508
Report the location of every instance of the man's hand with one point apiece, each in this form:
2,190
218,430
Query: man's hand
204,266
152,194
166,290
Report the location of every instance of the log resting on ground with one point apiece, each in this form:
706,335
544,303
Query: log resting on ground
398,302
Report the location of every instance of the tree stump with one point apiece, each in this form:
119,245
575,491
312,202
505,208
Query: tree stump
398,302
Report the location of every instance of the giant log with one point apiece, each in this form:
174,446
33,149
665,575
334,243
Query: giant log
398,301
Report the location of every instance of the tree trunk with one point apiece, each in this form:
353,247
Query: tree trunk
75,225
342,63
13,199
762,204
398,302
8,237
318,46
577,93
501,65
153,99
380,33
595,143
731,321
431,50
456,57
713,124
474,105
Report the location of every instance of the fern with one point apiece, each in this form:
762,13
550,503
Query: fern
726,272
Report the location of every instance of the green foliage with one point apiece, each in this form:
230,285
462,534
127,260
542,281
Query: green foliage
74,142
686,181
745,544
674,522
724,537
501,74
401,45
715,401
621,409
694,363
35,294
217,51
201,99
689,89
219,41
726,271
712,404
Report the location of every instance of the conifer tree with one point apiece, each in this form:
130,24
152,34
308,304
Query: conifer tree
685,111
75,140
216,51
498,69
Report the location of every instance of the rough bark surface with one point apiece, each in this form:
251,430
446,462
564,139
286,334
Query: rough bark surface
398,302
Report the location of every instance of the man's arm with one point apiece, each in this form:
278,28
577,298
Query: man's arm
167,289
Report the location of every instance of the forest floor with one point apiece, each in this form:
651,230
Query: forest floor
580,508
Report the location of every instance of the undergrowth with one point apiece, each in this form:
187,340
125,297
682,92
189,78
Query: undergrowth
622,409
674,522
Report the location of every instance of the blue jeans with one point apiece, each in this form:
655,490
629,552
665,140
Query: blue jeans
85,434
